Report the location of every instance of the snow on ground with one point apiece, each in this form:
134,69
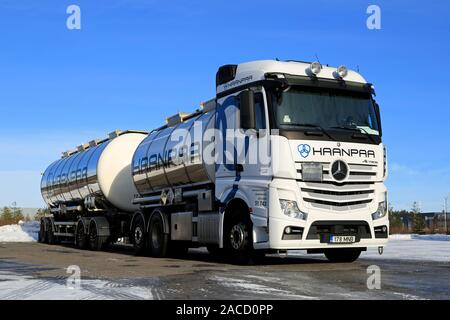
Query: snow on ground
435,237
19,287
22,232
414,247
434,247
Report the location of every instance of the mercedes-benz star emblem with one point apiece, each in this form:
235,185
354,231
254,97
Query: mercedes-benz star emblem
339,170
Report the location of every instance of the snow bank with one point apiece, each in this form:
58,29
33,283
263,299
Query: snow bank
435,237
22,232
413,247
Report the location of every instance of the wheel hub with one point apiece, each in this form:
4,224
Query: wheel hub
138,234
237,237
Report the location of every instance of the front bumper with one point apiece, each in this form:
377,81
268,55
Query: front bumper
320,223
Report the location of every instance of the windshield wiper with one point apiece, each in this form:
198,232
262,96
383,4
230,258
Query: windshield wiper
356,130
310,125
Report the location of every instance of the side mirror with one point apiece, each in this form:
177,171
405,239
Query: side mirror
247,109
378,115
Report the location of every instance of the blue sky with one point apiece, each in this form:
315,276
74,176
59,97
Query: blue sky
135,62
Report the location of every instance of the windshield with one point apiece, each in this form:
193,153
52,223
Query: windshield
298,108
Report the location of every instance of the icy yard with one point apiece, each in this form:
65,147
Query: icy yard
22,232
14,286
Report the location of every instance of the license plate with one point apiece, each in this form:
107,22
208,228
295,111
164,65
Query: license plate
342,239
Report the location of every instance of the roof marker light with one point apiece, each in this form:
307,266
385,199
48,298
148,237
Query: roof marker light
342,71
315,68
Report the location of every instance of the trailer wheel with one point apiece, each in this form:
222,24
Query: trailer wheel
43,236
157,240
81,240
96,242
342,255
50,234
138,236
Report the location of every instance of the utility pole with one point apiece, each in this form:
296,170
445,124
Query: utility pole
445,214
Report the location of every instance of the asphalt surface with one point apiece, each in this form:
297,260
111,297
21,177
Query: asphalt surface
32,271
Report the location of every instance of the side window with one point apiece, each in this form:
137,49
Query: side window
260,113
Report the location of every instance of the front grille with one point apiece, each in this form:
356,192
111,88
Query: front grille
357,192
323,229
358,172
338,204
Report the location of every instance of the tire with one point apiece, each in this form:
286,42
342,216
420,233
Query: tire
138,236
342,255
96,242
50,235
43,235
238,241
157,240
81,239
52,239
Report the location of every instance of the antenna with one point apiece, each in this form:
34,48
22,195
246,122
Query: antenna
317,58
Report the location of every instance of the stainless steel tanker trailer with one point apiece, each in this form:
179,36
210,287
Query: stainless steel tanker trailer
288,155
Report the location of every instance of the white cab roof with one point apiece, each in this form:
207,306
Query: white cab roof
256,70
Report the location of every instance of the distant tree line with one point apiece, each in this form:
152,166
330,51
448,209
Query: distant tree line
412,221
12,215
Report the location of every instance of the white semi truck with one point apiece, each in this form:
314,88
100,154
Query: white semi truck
287,156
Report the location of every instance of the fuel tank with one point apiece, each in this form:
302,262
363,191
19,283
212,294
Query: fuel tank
174,155
100,170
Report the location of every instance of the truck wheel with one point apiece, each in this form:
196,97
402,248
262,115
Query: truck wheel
239,242
138,235
52,239
157,240
43,236
342,255
50,235
81,240
96,242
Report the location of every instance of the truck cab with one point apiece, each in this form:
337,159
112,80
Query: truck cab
317,182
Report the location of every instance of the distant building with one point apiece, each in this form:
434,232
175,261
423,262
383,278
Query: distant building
435,220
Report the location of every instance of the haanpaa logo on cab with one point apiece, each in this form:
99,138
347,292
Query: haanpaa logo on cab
304,150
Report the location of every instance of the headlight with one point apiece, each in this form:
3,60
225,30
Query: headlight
382,210
290,208
315,68
342,71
